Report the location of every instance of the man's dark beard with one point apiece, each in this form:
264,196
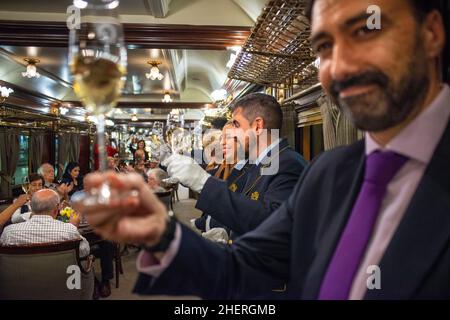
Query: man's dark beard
390,103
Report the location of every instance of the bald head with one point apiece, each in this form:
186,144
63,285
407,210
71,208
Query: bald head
45,202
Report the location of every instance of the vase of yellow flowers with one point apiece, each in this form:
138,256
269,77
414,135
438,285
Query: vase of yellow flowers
65,214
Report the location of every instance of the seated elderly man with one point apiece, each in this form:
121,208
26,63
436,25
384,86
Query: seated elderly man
155,178
47,171
42,226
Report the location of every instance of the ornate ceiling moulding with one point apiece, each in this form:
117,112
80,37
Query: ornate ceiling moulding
56,34
27,98
151,105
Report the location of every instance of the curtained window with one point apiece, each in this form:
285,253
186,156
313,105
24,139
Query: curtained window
68,147
36,147
22,165
9,158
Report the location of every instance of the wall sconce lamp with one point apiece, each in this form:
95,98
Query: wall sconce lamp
167,98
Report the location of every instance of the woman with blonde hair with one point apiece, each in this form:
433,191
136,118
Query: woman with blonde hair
219,167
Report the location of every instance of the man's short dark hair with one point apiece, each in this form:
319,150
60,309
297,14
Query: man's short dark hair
34,177
218,123
261,105
421,7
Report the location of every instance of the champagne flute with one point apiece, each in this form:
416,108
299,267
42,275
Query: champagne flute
97,57
26,185
180,142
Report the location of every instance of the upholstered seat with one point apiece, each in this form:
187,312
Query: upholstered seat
42,272
166,198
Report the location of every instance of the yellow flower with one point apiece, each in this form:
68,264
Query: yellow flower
67,211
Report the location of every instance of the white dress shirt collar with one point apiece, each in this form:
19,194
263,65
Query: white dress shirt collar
419,139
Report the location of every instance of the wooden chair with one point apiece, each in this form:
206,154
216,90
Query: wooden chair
118,268
166,198
174,193
5,203
95,239
41,272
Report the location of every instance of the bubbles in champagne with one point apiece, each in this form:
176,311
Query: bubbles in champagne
98,81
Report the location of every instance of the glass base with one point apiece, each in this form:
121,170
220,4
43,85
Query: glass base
100,196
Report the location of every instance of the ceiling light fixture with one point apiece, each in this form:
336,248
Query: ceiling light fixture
219,95
63,110
154,71
31,68
80,4
5,93
113,4
167,98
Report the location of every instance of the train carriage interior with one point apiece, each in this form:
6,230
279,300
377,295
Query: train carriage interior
95,85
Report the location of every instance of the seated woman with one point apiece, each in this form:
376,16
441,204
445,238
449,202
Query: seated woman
139,164
23,210
72,176
220,169
140,146
111,164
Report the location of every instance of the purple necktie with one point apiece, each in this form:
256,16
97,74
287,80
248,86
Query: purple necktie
381,167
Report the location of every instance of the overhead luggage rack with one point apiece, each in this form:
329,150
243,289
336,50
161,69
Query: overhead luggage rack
278,47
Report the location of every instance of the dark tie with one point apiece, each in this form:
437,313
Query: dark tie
381,167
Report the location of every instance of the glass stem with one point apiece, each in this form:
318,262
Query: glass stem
101,142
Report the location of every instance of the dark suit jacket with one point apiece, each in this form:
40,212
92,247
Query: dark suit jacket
295,243
237,179
259,196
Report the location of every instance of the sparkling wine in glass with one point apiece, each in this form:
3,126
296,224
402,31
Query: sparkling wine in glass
26,185
98,58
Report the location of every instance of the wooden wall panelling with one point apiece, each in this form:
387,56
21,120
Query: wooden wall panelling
83,160
56,34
